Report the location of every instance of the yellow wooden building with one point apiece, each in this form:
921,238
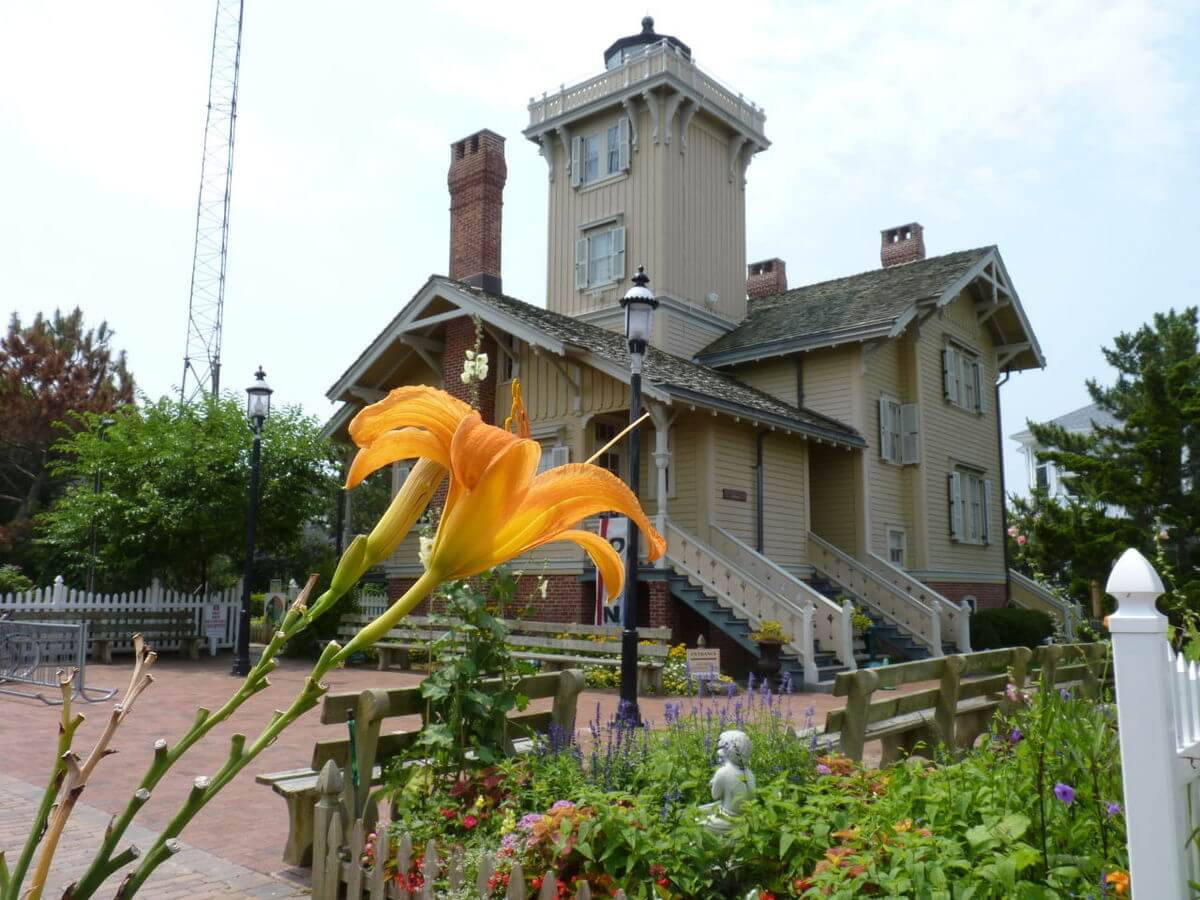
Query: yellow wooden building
809,448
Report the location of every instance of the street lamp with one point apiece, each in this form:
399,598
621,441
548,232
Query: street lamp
639,303
258,407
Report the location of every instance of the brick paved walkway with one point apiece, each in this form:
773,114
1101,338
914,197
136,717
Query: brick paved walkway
190,873
247,825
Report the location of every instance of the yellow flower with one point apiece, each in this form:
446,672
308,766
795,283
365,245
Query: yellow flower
497,506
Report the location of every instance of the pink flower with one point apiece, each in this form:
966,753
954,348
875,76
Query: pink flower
469,822
1012,530
823,769
1021,539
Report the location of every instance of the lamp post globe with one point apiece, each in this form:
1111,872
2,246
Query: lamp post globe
639,303
258,408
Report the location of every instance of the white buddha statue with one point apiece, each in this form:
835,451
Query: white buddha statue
732,781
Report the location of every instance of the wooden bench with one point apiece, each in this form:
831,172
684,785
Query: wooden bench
969,691
536,641
107,627
375,747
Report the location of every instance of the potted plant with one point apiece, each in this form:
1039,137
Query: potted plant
770,639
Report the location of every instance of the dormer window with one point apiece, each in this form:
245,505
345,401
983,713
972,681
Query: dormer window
601,154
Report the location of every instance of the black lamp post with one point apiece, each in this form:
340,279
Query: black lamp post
258,407
639,305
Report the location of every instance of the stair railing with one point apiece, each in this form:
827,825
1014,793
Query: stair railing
737,590
956,617
923,622
1031,594
832,626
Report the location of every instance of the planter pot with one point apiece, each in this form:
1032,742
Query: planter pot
768,664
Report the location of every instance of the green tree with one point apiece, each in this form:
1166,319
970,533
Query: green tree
174,494
48,370
1147,464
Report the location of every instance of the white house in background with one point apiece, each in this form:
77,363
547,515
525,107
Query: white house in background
1044,475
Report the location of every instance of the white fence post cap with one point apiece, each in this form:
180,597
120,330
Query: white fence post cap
1136,585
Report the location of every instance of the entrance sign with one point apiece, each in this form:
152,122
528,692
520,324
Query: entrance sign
615,530
214,625
704,662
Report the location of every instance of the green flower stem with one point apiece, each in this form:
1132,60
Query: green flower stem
240,755
67,727
295,620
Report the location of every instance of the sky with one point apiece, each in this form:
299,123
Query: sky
1067,133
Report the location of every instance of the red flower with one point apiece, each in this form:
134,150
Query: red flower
663,882
448,813
469,821
536,883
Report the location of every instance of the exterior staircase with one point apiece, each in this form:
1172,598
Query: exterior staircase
735,588
738,628
886,640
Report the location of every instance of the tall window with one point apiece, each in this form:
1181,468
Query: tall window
600,257
899,427
600,154
1043,476
897,544
964,379
970,507
611,458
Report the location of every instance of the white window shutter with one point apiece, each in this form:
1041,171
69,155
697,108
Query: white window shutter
885,429
980,384
950,373
910,428
618,251
559,456
581,263
956,507
986,530
623,144
576,156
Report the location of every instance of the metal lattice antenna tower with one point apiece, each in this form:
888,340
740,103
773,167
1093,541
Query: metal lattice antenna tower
206,302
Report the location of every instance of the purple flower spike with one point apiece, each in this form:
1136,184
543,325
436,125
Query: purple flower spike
1065,793
1064,693
1113,809
1015,736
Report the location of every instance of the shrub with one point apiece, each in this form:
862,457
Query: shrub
992,628
12,581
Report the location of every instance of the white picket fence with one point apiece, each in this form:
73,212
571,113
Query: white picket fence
1158,712
59,599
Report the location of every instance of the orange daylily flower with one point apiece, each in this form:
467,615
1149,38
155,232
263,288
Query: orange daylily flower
1119,881
497,506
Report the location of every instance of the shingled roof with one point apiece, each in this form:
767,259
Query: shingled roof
681,378
858,306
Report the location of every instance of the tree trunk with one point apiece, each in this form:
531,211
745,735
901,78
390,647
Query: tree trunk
33,498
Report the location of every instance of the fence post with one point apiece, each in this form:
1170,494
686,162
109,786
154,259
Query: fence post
846,635
59,597
1155,804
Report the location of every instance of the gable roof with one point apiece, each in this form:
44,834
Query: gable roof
1082,420
873,304
665,376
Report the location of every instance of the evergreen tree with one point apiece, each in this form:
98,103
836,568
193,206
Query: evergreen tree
1145,465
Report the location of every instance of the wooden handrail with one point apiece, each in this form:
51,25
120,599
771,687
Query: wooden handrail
957,616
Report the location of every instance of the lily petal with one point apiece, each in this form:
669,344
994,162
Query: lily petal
392,446
474,447
468,535
607,562
566,495
419,405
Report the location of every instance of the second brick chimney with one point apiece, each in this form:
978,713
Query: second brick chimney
476,180
766,278
902,244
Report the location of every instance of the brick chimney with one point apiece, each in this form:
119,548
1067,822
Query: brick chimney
766,278
476,180
902,244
